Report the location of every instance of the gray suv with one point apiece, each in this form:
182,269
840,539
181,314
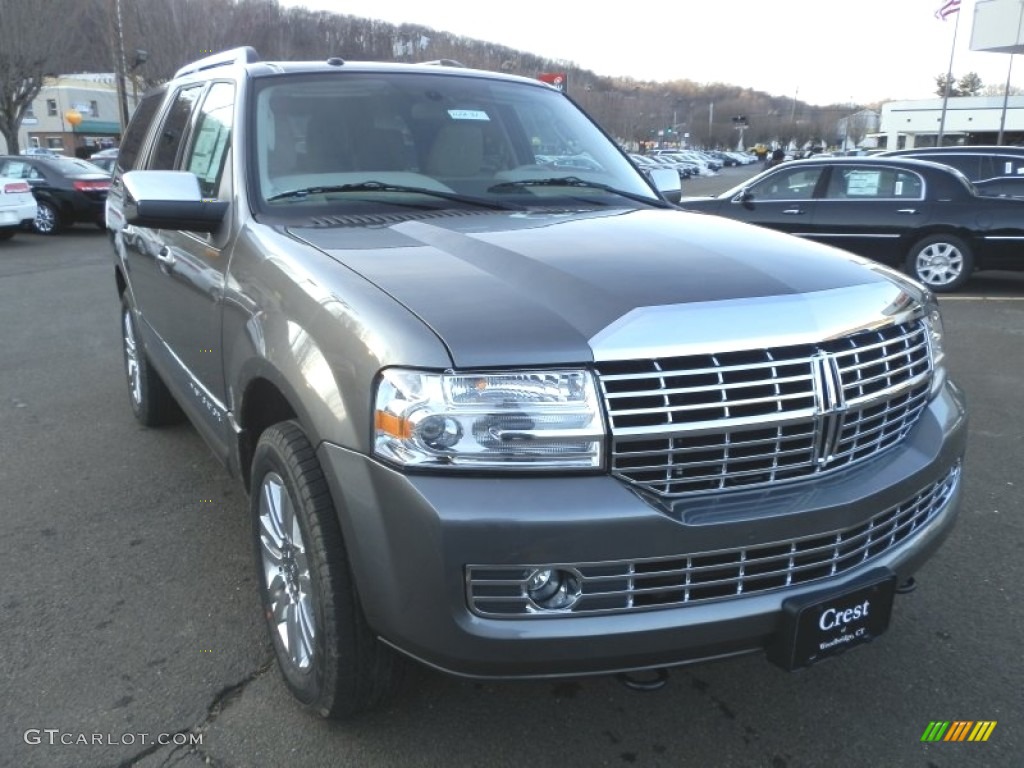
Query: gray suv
508,416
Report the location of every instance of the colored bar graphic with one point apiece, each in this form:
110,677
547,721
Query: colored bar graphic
935,730
982,730
958,730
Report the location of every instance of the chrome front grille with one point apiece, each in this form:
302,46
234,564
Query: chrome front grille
711,422
663,582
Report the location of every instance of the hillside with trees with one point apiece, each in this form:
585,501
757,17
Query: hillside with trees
174,32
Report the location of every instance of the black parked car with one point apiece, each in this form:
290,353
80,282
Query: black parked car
994,170
67,190
924,217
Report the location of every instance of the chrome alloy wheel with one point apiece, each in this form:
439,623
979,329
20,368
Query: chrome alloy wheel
46,219
131,358
939,264
286,572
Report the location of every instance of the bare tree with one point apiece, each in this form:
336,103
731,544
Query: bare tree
999,90
32,46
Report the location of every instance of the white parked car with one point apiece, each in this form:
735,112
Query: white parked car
17,206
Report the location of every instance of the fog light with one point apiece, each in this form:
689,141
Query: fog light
553,589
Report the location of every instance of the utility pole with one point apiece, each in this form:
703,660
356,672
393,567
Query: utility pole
119,64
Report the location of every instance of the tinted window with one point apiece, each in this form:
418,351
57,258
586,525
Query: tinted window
788,184
174,128
212,138
131,144
968,165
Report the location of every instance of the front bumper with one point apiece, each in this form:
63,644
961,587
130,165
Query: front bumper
411,539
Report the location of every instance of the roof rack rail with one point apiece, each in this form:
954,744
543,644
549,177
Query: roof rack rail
244,55
443,63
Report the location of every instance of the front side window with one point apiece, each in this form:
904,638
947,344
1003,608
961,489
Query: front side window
788,184
331,143
209,149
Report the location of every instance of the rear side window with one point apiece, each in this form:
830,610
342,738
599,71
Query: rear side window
138,128
873,184
174,129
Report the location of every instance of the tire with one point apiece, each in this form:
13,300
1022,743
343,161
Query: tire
942,262
329,658
47,221
152,403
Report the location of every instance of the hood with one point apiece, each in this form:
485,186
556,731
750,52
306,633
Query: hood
518,288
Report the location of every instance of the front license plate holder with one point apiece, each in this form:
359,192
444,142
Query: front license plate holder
826,623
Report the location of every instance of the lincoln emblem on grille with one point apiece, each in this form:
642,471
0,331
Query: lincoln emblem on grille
831,407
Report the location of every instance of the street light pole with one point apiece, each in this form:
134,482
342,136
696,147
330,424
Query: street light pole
949,84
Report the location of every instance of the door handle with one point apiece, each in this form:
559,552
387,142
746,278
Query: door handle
165,257
907,210
794,211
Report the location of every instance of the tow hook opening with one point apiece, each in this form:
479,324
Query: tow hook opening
650,680
906,587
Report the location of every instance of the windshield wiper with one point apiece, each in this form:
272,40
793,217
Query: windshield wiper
379,186
574,181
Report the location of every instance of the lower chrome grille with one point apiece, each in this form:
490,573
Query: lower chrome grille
712,422
663,582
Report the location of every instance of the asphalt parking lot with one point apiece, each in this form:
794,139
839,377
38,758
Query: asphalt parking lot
129,598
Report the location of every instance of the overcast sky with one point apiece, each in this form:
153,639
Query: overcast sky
821,51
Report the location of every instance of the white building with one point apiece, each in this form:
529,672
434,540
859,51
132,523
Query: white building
969,120
51,120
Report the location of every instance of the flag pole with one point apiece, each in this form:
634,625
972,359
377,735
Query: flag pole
949,85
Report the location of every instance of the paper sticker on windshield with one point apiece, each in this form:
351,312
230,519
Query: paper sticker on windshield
468,114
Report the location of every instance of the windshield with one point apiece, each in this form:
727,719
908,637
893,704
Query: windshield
428,140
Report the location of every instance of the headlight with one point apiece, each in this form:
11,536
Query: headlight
933,323
509,420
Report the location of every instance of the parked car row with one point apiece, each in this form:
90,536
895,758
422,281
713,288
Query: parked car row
994,170
66,190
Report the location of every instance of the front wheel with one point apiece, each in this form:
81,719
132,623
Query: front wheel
329,658
942,262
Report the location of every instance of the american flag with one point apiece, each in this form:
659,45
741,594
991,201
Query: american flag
949,7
